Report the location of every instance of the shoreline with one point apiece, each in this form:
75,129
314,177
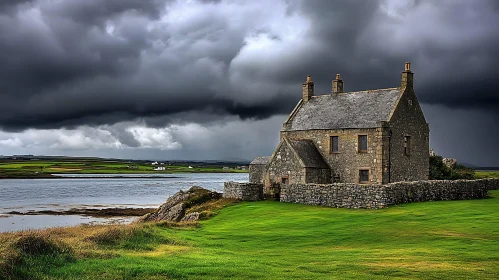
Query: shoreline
96,213
91,177
113,176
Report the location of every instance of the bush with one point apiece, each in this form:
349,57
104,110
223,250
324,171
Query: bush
440,171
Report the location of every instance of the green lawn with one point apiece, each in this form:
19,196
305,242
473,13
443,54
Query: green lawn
486,174
430,240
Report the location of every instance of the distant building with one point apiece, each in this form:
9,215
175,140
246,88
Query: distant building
159,168
370,136
155,163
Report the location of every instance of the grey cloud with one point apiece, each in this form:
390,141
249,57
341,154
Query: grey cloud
75,63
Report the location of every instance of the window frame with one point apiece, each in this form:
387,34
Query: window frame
359,144
360,176
407,145
285,180
331,142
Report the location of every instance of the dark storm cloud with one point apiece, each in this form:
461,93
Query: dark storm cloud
70,63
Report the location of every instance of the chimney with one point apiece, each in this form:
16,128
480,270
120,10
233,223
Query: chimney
307,89
407,77
337,85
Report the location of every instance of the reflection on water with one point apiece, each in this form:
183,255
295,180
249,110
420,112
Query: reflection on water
24,195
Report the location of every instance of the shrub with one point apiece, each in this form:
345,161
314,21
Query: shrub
440,171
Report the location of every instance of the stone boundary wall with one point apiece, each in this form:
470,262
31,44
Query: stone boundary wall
345,195
339,195
380,196
243,191
404,192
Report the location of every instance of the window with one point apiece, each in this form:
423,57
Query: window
334,144
363,176
362,143
336,177
284,180
407,145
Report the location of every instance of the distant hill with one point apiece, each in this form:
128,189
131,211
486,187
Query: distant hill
465,164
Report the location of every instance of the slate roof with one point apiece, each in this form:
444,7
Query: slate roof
360,109
308,153
260,160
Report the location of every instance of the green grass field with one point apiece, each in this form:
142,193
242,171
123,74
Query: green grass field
43,168
486,174
272,240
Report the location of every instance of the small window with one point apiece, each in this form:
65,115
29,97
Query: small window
363,176
362,143
334,144
336,177
407,145
284,180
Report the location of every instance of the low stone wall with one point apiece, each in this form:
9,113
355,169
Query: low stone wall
339,195
404,192
491,184
380,196
243,191
343,195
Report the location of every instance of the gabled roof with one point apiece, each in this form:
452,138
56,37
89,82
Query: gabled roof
308,153
260,160
360,109
304,150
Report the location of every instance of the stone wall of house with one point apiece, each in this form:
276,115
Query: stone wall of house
345,164
287,166
317,175
257,173
243,191
408,120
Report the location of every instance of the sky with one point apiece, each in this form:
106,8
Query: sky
199,80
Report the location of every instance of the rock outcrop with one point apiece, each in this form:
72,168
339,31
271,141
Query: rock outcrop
176,208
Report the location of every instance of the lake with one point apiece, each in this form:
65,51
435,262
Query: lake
143,190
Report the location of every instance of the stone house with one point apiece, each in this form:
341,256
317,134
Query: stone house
370,136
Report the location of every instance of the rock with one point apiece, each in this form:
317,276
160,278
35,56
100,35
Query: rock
191,217
450,162
174,209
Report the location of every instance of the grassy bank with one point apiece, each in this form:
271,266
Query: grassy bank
429,240
43,169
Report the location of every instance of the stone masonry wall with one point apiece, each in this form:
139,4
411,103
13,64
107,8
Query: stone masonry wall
339,195
287,166
243,191
344,195
257,173
408,120
345,164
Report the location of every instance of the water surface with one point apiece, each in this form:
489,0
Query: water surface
25,195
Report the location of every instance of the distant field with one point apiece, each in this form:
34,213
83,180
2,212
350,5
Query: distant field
19,169
272,240
486,174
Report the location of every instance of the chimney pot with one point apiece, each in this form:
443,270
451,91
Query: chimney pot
407,77
337,85
307,89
